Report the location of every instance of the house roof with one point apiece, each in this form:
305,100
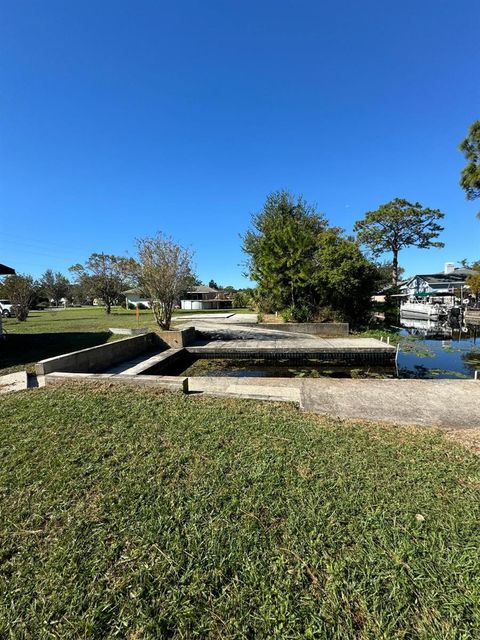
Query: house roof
6,271
201,288
134,291
456,277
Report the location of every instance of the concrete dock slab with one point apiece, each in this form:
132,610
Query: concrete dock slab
223,318
217,339
442,403
452,404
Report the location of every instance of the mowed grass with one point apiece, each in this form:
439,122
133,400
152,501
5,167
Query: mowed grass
128,514
50,333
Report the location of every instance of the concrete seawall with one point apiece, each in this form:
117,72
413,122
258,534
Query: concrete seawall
101,357
178,339
106,356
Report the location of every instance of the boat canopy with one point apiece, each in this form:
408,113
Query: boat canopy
432,294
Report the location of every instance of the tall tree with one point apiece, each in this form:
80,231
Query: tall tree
164,272
304,268
345,278
470,176
55,286
104,276
213,285
20,289
396,225
384,273
281,249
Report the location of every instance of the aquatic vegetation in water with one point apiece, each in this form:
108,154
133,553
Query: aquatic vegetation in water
450,349
418,372
472,361
447,372
373,374
304,373
472,357
283,369
411,344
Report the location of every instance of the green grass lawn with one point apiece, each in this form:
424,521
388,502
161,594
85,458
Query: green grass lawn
49,333
128,514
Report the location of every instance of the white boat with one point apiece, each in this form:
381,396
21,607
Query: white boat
431,310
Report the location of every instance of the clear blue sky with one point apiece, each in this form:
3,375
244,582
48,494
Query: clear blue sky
119,119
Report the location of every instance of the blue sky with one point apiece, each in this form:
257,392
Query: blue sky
119,119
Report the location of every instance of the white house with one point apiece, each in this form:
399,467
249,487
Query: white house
449,282
136,297
203,297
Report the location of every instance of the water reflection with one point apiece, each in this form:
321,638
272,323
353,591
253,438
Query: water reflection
426,327
438,348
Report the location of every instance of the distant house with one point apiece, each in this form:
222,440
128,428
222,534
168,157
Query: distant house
203,297
136,297
437,284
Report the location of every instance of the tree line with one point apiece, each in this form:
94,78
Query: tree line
162,270
307,270
303,268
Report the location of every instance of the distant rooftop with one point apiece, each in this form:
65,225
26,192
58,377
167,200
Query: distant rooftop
201,288
458,275
6,271
134,291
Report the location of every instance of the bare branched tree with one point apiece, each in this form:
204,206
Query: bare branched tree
104,276
20,289
165,271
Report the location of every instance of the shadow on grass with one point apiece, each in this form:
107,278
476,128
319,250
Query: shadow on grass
21,349
57,316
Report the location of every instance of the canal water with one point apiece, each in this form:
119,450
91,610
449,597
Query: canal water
427,349
431,349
